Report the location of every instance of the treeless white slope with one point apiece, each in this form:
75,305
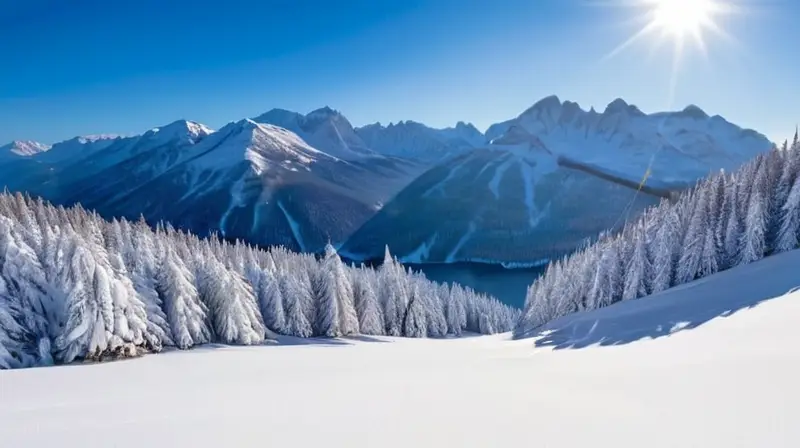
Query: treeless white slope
731,382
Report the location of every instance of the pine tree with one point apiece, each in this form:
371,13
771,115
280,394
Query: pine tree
753,243
729,255
339,285
18,347
688,267
270,298
790,221
414,320
27,288
297,323
392,295
370,317
231,304
665,248
187,315
638,268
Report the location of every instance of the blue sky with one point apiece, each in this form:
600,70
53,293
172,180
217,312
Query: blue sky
98,66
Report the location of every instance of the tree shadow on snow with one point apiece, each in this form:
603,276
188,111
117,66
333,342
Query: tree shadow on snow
681,308
331,342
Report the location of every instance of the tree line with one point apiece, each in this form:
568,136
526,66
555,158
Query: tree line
725,220
76,287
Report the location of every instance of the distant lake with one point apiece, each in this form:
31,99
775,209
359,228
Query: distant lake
507,285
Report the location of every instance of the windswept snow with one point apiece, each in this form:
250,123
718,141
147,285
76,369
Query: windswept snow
730,382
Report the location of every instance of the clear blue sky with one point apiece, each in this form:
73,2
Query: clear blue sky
100,66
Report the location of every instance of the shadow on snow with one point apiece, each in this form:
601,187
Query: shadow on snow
681,308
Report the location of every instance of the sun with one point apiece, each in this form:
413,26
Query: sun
682,18
680,21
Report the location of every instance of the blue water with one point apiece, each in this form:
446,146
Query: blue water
507,285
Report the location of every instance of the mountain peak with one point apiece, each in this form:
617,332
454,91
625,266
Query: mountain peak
693,111
548,102
24,148
322,112
181,130
618,105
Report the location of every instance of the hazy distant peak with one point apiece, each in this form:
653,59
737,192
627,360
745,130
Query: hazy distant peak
23,148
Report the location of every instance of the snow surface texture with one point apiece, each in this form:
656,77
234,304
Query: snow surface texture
728,383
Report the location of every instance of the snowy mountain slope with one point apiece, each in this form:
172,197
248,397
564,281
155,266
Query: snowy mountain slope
125,162
681,308
679,147
512,205
77,147
261,183
29,172
550,179
414,140
22,148
325,129
727,383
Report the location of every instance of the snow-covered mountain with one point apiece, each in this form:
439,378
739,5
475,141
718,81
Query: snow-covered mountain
248,180
678,147
533,186
325,129
22,148
414,140
549,179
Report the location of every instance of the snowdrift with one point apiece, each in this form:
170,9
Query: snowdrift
728,383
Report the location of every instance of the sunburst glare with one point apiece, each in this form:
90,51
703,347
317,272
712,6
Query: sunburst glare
678,21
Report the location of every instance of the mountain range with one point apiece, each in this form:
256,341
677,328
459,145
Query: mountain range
527,189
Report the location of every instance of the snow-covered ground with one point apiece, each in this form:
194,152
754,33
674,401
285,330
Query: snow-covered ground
729,379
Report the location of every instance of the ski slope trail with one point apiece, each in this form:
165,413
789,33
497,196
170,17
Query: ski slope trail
723,374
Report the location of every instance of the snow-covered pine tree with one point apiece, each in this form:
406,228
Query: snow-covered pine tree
338,284
414,324
790,221
86,333
665,248
391,295
32,296
638,267
711,250
370,317
231,304
187,315
691,253
297,323
435,322
140,259
270,298
18,347
753,243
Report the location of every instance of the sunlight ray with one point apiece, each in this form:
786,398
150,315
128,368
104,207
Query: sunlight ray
648,29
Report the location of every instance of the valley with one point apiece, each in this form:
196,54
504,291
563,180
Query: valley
530,189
